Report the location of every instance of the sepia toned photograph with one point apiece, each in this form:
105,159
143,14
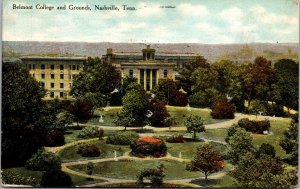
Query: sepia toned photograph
150,94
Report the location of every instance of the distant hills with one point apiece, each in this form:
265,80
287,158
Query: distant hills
210,51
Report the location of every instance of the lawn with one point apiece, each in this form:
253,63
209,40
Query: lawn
179,113
107,150
130,169
277,127
71,135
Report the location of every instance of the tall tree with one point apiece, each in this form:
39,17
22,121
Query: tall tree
259,79
194,124
98,78
290,142
24,115
207,160
239,143
82,110
287,84
188,69
159,113
164,90
135,106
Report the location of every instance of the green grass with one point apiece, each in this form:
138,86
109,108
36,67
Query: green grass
108,117
130,169
79,181
225,181
107,150
71,135
277,127
180,114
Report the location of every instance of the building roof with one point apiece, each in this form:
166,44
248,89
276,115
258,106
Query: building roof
44,58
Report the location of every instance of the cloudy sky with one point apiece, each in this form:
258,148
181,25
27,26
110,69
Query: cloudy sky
195,21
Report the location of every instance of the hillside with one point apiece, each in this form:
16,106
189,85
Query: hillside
210,51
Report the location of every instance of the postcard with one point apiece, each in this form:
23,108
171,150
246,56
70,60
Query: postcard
133,94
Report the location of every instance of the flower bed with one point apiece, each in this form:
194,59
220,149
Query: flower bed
148,146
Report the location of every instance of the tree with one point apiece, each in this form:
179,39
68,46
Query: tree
98,79
222,109
25,119
81,109
63,119
54,177
290,143
207,160
259,79
238,144
89,169
262,172
155,175
266,149
288,82
159,113
188,69
194,124
135,106
164,90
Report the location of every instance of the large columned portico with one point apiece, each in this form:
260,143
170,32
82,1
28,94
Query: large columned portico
148,78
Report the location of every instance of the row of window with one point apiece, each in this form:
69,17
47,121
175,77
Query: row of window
52,76
61,85
52,66
165,73
61,94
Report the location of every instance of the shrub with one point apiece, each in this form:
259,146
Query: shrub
175,139
155,175
54,177
178,99
54,138
148,146
159,112
199,99
222,109
11,177
257,107
254,126
42,160
295,117
88,150
274,109
91,132
122,138
267,149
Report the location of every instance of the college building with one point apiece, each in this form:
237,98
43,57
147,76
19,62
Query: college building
56,74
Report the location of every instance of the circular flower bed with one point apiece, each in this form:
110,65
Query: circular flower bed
148,146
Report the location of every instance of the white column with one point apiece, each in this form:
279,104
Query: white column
150,79
145,84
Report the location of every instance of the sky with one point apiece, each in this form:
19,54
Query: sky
189,21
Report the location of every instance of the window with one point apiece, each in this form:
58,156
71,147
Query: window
70,67
77,67
43,84
52,76
43,66
61,76
33,66
52,66
131,73
61,94
70,85
70,76
52,85
61,67
29,66
52,94
165,73
73,67
73,76
33,75
43,76
61,85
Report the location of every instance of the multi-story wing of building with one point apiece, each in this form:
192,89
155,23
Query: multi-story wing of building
56,74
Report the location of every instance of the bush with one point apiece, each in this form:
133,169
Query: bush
159,113
10,177
42,160
295,117
88,150
257,107
54,138
122,138
267,149
54,177
199,99
178,99
254,126
148,146
175,139
91,132
222,109
274,109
